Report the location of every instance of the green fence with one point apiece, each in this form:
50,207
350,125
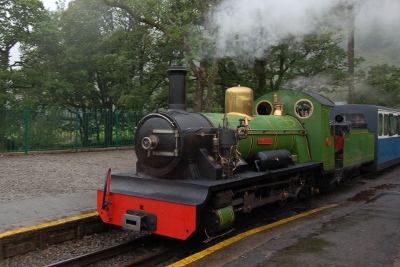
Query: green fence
23,129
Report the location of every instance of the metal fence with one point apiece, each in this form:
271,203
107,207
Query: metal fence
23,129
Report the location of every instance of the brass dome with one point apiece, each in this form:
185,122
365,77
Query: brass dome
239,100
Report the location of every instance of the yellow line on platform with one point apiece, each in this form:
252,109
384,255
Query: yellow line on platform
237,238
49,224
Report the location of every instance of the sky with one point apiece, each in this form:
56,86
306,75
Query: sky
51,4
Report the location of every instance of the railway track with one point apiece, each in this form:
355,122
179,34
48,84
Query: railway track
158,249
12,245
150,243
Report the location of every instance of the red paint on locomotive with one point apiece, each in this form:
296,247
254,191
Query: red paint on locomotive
173,219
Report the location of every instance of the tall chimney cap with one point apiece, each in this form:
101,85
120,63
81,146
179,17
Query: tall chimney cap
176,69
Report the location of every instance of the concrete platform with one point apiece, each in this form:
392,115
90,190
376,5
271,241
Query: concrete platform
40,186
38,210
51,198
355,226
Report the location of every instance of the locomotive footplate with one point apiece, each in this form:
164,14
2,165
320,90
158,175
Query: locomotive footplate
158,189
192,192
174,207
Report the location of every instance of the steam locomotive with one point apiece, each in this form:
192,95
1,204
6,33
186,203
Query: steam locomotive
199,171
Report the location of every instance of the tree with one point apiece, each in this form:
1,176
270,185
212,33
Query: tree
382,87
313,60
94,57
19,19
317,57
183,23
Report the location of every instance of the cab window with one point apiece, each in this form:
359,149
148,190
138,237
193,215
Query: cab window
264,108
304,108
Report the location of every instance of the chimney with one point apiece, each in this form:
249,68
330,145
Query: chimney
177,87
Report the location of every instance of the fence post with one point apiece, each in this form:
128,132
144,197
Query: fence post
3,128
116,127
76,128
26,129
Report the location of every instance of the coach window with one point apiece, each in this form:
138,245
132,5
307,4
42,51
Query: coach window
380,124
386,125
391,125
398,125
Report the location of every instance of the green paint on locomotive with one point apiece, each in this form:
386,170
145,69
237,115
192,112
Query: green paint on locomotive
266,133
358,147
312,111
303,129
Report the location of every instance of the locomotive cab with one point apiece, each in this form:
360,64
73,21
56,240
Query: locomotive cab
353,141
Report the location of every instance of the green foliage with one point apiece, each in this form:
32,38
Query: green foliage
91,57
113,54
19,20
29,129
383,87
314,61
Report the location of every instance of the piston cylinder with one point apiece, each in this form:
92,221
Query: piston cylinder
218,219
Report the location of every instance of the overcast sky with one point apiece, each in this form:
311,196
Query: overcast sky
51,4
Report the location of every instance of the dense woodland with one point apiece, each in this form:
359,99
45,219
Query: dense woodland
112,54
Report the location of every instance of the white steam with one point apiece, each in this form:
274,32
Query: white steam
385,12
253,25
381,13
250,26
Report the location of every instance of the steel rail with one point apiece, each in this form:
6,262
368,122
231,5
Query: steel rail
109,252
